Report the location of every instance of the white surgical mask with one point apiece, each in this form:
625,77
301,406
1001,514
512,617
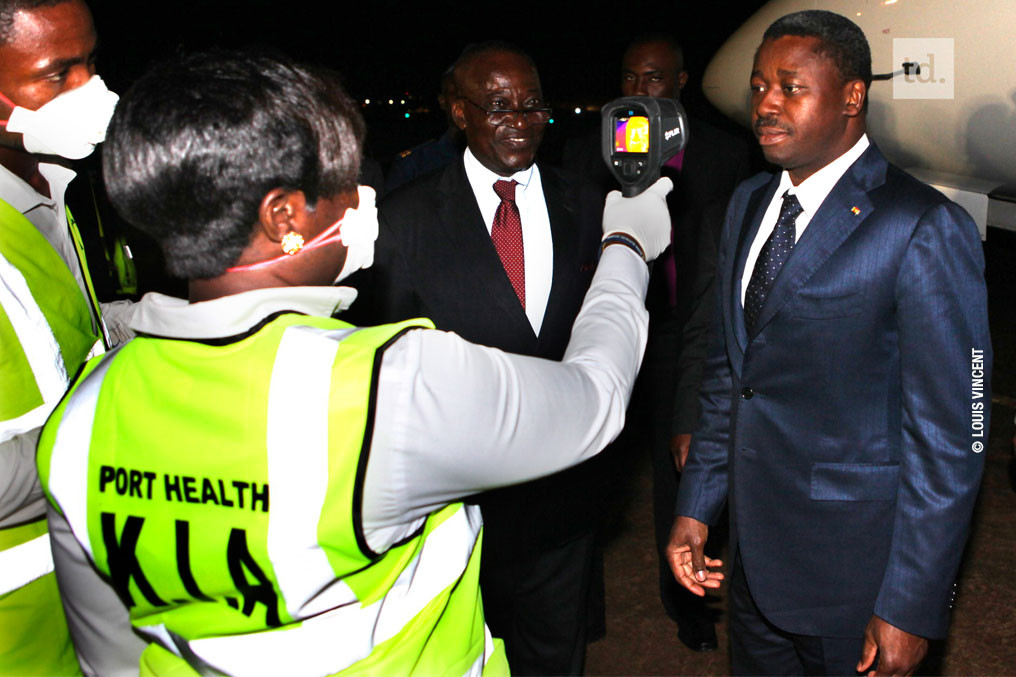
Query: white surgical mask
69,125
356,230
358,234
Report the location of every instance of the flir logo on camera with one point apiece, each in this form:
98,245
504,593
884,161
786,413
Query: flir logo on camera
928,68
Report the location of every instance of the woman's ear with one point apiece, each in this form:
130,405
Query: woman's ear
281,212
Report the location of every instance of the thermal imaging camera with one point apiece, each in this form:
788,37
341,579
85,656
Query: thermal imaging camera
640,133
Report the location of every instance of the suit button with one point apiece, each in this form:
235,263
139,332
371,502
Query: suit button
747,393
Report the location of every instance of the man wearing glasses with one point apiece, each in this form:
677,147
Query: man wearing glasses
501,250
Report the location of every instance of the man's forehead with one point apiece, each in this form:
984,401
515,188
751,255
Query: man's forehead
649,56
51,33
498,69
791,52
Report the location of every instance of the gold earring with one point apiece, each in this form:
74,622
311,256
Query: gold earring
292,242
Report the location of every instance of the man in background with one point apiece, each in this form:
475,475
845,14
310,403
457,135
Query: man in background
433,154
54,109
680,308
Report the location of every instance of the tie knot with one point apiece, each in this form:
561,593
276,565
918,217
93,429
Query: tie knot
790,207
506,190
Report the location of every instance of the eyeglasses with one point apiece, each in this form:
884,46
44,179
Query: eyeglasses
500,116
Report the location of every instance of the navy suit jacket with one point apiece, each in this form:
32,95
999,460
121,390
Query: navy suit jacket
845,429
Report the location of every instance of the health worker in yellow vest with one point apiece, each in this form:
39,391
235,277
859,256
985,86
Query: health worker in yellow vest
53,108
274,491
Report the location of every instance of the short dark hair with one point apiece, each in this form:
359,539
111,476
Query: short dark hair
198,141
477,49
8,8
840,39
660,38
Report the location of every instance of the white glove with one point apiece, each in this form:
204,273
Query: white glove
644,218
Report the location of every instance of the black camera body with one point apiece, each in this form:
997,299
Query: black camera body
639,134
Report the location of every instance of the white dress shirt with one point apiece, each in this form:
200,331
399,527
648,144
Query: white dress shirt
537,242
811,193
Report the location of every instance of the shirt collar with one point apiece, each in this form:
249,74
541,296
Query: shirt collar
161,315
812,192
480,175
20,195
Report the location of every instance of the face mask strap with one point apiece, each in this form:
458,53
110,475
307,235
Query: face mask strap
10,103
325,237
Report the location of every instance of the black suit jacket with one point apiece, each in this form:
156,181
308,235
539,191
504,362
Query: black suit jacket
714,163
434,258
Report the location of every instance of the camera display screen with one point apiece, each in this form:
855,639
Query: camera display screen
631,134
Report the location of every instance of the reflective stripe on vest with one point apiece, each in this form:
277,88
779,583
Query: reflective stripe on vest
79,248
25,555
37,343
45,325
291,411
70,451
440,563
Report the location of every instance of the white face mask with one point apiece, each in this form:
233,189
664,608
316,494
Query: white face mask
70,125
358,233
356,230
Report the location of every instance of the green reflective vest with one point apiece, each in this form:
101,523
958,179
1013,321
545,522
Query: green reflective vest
46,333
219,487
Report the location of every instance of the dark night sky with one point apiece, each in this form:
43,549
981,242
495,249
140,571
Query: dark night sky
386,48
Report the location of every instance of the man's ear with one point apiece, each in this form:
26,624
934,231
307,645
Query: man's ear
459,113
856,93
682,80
281,211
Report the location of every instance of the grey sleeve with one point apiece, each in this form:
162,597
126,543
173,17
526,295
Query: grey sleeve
103,637
21,497
117,316
454,418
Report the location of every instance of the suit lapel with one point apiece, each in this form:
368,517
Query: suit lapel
753,213
843,210
564,233
477,259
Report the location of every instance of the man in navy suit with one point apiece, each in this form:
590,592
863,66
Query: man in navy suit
850,364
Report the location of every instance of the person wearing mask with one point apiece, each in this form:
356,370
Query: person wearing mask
271,490
53,108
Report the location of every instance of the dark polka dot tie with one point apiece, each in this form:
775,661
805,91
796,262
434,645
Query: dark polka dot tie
506,232
774,254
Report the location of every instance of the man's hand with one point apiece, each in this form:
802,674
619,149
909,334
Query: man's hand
687,559
679,446
899,652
